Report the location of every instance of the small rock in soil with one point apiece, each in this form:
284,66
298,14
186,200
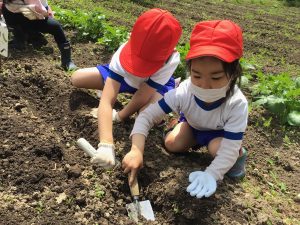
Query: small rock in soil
74,171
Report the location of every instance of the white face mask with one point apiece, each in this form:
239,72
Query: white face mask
208,95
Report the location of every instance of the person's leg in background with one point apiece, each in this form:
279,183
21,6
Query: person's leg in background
36,38
14,21
51,26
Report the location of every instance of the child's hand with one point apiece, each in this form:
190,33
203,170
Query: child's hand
50,12
202,184
105,155
132,162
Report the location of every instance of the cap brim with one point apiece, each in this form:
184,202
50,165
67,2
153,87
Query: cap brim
136,65
215,51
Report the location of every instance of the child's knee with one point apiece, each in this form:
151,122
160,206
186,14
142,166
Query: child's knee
214,145
172,146
75,78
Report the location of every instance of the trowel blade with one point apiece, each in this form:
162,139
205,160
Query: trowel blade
145,208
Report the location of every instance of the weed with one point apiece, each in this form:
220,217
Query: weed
39,207
99,193
70,201
176,209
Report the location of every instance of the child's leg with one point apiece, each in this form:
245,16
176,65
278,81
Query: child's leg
214,145
180,139
89,78
238,169
155,97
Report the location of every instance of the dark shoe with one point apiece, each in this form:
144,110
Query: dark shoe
66,61
238,170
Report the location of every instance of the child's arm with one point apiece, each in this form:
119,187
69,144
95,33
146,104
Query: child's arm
105,155
50,12
225,158
141,98
108,99
234,129
133,160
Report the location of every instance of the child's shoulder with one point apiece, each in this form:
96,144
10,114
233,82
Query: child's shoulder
238,97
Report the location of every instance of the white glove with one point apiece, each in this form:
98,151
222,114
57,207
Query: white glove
202,184
115,116
105,155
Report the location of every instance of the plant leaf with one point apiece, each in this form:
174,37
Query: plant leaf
293,118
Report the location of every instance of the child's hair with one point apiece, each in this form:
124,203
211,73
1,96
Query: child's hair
232,70
221,39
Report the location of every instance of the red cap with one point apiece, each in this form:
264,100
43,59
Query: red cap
219,38
152,41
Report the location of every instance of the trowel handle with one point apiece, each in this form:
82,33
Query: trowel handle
134,188
86,147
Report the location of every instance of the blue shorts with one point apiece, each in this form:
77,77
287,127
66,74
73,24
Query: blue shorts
203,137
125,88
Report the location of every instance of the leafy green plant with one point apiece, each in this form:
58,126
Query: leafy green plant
280,94
113,37
89,26
181,68
292,2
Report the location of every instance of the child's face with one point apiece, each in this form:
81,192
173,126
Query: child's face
208,73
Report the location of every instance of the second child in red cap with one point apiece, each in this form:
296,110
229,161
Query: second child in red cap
213,109
143,66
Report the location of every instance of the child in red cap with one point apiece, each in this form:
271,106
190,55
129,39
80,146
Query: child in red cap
213,110
143,66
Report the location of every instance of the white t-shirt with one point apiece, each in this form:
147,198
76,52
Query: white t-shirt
161,77
230,116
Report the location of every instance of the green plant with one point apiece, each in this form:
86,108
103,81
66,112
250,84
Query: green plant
89,26
277,184
176,209
113,37
280,94
70,201
39,207
181,68
99,193
292,2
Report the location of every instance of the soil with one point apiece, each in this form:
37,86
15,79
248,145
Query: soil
46,179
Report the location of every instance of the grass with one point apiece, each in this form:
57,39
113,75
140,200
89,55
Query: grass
274,200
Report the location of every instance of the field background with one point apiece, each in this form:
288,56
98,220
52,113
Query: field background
46,179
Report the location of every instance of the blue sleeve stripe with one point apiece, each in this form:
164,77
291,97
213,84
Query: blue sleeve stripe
115,76
164,106
155,85
233,135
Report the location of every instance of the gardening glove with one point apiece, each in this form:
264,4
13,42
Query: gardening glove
105,155
202,184
115,116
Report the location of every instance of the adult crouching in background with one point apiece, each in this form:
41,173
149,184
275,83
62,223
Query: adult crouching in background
37,16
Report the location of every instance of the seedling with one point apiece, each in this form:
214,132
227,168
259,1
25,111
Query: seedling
99,193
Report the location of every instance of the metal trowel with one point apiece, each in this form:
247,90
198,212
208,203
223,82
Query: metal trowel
138,208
